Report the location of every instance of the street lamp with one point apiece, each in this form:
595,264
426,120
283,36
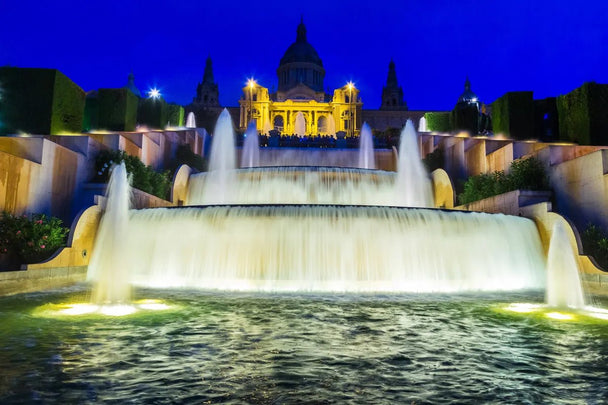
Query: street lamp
154,93
251,85
350,86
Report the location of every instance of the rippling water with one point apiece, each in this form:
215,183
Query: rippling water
261,348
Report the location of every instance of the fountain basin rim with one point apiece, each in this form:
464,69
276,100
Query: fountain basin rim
313,169
354,206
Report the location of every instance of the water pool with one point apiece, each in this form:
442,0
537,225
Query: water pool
213,347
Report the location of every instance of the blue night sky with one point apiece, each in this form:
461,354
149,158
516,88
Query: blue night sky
548,46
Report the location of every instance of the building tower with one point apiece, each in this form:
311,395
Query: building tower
301,70
131,85
207,93
392,93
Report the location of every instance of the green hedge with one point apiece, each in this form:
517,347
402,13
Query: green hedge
582,114
68,105
39,101
117,109
525,174
91,112
438,121
513,115
144,178
465,118
595,244
153,113
434,160
175,115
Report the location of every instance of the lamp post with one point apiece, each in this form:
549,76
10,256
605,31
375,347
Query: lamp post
350,108
250,84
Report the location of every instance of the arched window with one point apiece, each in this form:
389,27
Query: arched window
322,124
278,123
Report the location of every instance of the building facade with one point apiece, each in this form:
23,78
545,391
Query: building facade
300,76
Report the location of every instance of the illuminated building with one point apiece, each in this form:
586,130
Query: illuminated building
300,77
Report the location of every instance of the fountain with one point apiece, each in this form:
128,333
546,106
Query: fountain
190,121
564,288
251,147
300,124
422,125
366,148
413,186
219,180
108,269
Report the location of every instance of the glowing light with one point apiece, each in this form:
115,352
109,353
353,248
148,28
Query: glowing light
152,305
523,307
251,83
560,316
79,309
154,93
117,310
350,85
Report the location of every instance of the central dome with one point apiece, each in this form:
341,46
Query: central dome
301,50
301,65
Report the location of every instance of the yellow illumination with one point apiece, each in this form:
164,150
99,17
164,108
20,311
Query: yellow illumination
560,316
523,307
79,309
350,85
251,83
117,310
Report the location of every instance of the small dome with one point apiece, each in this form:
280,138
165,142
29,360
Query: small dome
301,50
467,95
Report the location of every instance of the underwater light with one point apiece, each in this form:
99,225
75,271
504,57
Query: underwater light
117,310
152,305
79,309
560,316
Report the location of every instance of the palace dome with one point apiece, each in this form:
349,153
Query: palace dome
301,50
467,95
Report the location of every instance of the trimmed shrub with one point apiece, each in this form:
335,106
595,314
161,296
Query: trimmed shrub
39,101
438,121
525,174
91,112
465,118
144,177
175,115
152,113
117,109
595,244
513,115
582,114
185,156
434,160
31,239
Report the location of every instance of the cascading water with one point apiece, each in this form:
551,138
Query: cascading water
219,181
413,185
331,248
300,124
564,288
303,185
111,260
191,121
251,147
366,148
